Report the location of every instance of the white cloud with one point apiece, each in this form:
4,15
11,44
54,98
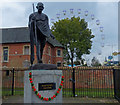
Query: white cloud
13,13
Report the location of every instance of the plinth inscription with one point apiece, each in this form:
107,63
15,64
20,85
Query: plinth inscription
46,86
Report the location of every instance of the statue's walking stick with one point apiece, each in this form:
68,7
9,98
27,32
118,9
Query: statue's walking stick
35,26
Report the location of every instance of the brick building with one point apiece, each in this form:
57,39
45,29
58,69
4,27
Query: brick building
15,49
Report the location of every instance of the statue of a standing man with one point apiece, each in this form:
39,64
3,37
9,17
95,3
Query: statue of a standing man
39,31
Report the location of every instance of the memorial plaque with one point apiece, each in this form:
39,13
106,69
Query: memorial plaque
46,86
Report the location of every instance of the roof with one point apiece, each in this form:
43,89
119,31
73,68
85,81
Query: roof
21,35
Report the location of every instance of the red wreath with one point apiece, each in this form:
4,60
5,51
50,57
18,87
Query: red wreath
39,95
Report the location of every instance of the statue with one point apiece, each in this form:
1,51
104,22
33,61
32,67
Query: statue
39,31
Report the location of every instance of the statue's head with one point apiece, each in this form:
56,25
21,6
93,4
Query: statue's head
40,7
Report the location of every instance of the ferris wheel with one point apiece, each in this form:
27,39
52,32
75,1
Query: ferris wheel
93,23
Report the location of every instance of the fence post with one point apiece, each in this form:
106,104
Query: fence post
114,82
73,76
13,82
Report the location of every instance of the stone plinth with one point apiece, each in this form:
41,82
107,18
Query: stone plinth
42,76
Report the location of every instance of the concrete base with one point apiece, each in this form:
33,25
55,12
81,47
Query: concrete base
42,76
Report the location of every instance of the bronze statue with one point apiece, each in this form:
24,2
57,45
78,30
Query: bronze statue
39,31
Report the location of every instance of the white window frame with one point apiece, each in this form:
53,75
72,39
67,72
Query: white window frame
24,49
60,53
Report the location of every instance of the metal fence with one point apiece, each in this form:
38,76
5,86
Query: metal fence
79,82
88,82
13,81
117,83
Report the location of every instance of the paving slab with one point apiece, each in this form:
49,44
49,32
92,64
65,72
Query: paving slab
20,99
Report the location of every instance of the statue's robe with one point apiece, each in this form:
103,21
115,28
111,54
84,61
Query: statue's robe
41,24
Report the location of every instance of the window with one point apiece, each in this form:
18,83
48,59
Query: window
26,50
59,64
58,52
5,54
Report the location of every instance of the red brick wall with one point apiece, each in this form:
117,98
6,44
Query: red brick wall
89,78
57,59
52,57
84,79
16,60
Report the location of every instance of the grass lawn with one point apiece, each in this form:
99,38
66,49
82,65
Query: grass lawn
102,93
8,91
88,92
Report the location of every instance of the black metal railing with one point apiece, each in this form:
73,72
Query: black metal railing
13,81
116,73
80,82
89,82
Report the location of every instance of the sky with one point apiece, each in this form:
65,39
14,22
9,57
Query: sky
15,13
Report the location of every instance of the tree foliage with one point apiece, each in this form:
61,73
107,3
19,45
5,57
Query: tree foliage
74,35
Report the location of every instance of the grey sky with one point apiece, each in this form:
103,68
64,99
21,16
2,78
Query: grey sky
15,14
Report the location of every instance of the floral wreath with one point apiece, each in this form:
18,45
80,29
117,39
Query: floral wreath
39,95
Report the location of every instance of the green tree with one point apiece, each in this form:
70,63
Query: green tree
74,35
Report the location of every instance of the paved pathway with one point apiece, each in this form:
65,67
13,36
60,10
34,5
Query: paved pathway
19,99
